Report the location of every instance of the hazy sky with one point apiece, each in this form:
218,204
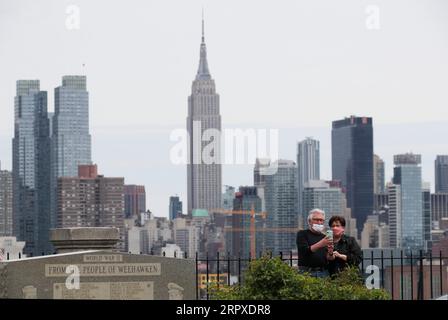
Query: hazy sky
288,65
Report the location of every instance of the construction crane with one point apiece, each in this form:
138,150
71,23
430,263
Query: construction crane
252,214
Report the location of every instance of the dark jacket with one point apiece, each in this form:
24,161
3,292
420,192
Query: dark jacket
307,258
349,247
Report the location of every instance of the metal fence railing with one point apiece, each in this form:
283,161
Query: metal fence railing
406,276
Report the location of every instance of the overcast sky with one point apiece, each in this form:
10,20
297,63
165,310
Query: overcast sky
286,64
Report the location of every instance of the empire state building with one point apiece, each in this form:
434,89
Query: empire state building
204,156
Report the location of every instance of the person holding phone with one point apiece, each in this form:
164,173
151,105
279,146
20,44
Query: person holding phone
344,250
312,246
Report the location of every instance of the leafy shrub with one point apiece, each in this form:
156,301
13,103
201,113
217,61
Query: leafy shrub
272,279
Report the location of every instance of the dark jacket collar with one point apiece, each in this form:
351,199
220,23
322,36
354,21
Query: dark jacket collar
344,238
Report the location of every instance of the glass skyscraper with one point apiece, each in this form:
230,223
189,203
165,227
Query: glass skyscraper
175,209
307,166
408,175
31,168
352,164
71,137
281,206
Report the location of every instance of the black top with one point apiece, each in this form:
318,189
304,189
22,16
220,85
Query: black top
307,258
349,247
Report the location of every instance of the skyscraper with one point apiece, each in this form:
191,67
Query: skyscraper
441,174
31,168
281,206
352,163
5,203
203,123
134,200
70,140
307,166
378,175
408,175
394,217
175,208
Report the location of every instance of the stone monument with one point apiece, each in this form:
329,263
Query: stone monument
78,272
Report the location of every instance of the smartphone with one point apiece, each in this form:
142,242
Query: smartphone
330,234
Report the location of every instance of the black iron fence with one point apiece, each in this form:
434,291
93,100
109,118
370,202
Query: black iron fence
406,276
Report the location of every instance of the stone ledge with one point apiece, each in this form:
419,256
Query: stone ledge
81,239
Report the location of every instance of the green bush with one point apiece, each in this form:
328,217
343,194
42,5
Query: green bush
272,279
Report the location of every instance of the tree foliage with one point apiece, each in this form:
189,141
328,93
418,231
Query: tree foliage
272,279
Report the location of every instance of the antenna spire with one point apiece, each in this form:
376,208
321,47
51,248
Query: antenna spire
203,72
203,34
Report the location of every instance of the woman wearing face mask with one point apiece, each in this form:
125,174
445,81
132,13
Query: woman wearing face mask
345,250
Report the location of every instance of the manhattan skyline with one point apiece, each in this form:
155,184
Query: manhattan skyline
270,76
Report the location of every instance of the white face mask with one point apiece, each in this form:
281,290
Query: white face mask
318,227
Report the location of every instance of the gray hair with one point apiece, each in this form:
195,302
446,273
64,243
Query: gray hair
313,211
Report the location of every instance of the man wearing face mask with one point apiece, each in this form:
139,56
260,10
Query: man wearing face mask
345,250
312,245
